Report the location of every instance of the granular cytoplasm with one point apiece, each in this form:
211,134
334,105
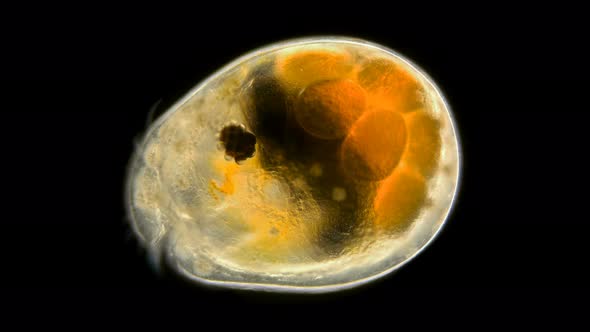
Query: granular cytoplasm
310,165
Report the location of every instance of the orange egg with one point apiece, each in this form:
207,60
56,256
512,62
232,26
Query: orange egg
303,68
328,109
390,86
374,146
424,142
398,200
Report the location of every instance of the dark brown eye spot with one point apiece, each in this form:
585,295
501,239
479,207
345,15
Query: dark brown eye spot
237,142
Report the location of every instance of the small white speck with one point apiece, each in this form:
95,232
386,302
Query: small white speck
338,194
316,170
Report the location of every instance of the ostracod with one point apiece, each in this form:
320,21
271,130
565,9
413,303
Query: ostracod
309,165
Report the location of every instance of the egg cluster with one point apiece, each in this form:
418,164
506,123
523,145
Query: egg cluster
359,118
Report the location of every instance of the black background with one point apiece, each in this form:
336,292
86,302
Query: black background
76,94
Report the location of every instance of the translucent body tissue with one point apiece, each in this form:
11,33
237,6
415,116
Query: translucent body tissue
310,165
